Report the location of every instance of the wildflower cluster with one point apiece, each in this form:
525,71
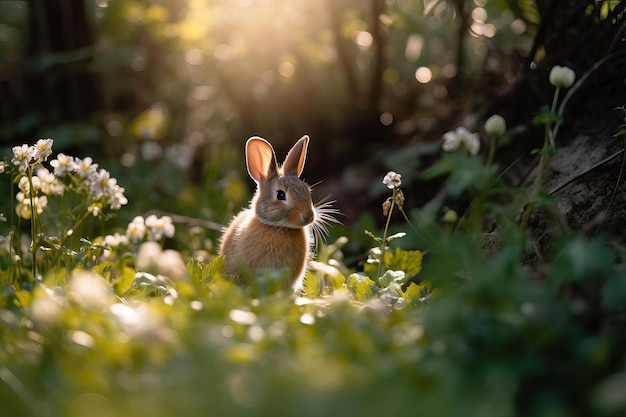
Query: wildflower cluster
98,183
24,155
140,229
461,136
36,183
151,228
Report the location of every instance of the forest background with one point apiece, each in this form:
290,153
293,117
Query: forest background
519,282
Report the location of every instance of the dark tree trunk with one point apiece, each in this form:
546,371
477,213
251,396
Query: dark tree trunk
60,84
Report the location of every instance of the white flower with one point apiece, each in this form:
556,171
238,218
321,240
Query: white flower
24,184
152,258
90,290
63,164
24,207
562,77
148,256
42,149
22,155
116,197
392,180
85,167
114,240
160,227
136,229
99,182
46,310
495,126
94,209
452,140
48,183
142,323
2,166
450,216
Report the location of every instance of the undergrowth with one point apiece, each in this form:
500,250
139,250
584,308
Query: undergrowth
120,325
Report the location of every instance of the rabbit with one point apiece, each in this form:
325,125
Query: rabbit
277,230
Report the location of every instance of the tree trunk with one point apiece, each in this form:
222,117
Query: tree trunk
61,85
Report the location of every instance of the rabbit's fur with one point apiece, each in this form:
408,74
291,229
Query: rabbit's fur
274,232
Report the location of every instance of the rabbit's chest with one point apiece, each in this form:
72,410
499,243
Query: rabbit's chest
279,243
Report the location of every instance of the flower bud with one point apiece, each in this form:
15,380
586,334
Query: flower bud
495,126
562,77
399,198
450,216
386,206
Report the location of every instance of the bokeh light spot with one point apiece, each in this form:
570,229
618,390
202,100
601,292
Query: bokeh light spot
423,75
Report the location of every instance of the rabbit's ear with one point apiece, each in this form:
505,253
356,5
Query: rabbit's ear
294,162
260,159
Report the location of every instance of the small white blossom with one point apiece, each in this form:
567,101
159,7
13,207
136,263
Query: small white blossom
136,229
42,149
85,167
452,140
450,216
495,126
63,164
112,242
24,184
152,258
48,183
392,180
116,197
115,240
90,290
24,207
46,310
99,182
160,227
2,166
22,155
94,209
562,77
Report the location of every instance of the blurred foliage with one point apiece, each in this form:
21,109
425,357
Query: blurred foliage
437,317
181,85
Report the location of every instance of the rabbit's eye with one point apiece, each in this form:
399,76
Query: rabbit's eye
280,194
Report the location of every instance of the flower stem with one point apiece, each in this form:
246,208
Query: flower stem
384,242
406,218
492,150
546,154
33,220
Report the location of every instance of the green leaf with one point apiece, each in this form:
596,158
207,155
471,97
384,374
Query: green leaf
311,286
443,166
621,132
205,272
362,286
465,172
370,234
545,116
364,289
413,292
408,261
392,276
124,280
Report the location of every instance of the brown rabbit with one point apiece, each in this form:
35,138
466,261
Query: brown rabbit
276,231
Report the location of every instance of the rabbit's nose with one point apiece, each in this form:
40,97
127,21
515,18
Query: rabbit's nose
308,218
